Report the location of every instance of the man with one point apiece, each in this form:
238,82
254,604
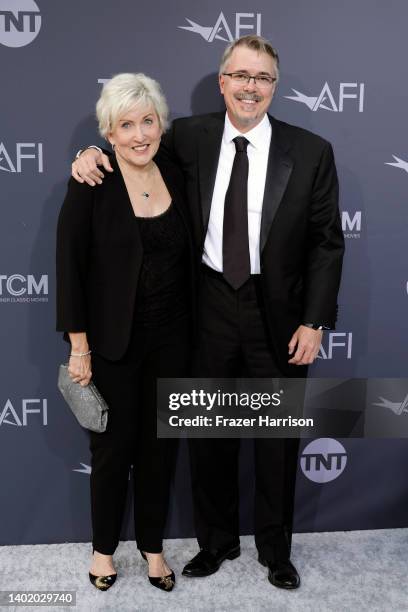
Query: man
263,197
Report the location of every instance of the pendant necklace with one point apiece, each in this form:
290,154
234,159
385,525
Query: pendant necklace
145,194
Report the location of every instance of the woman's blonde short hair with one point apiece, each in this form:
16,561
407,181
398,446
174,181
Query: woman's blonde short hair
122,92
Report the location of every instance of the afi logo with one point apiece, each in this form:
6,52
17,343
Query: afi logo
24,150
396,407
336,341
87,470
19,418
351,226
398,163
326,100
222,31
20,22
323,460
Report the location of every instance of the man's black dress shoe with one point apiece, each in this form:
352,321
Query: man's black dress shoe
208,562
282,574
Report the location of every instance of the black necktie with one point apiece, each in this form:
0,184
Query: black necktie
235,241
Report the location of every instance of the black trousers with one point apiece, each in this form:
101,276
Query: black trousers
233,342
129,387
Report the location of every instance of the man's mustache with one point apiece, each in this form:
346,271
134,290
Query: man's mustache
248,96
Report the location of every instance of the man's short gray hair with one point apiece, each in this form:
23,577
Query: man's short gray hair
122,92
251,41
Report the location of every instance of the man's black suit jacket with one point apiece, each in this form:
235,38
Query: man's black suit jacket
99,257
301,239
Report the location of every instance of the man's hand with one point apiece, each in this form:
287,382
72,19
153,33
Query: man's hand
307,343
85,168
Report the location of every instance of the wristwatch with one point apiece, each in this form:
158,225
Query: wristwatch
315,326
90,147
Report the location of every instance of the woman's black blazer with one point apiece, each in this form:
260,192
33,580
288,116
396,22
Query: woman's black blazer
99,256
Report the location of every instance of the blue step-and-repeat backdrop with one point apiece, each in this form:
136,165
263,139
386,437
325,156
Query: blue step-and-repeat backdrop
343,76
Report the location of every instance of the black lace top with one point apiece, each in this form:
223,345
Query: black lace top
163,289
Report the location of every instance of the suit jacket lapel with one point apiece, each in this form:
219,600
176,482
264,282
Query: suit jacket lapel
279,169
175,190
170,182
118,193
209,146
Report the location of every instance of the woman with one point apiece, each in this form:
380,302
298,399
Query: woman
124,287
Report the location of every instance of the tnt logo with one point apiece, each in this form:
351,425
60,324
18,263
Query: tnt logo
20,22
323,460
351,226
11,161
332,100
245,23
336,342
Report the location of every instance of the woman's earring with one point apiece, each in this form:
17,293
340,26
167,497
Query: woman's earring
113,146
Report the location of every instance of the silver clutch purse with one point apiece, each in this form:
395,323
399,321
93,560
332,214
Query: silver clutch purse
86,403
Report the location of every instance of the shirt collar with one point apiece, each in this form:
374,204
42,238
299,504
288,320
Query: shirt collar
259,137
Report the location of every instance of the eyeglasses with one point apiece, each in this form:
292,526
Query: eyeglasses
261,80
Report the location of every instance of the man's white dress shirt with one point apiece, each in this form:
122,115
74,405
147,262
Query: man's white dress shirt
258,150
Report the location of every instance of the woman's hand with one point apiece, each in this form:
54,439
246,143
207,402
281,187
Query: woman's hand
79,369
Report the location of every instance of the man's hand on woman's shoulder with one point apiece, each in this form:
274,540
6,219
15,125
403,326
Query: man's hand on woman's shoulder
85,168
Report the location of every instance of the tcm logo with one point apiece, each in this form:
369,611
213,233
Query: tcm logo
323,460
19,288
327,100
27,412
351,225
245,23
20,22
396,407
14,161
398,163
336,344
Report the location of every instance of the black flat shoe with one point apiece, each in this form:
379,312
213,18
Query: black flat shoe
208,562
103,583
282,574
165,583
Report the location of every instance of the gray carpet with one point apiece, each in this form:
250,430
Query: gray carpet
341,572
